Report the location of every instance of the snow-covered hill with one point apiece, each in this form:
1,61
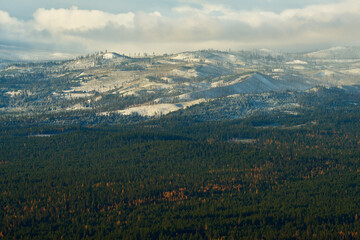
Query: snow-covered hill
336,53
109,82
256,83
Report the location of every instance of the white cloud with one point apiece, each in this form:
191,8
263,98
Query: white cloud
186,27
6,19
74,19
12,29
321,13
10,25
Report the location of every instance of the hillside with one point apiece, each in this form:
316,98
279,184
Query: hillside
108,83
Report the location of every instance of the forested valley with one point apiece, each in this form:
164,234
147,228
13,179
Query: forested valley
273,176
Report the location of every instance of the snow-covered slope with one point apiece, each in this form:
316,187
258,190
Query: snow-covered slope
336,53
156,109
111,55
157,85
257,83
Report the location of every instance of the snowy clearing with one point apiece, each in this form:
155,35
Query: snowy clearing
297,62
156,109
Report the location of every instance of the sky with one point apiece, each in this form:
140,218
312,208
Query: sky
169,26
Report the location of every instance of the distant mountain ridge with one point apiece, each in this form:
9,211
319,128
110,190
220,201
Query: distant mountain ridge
107,83
340,52
336,53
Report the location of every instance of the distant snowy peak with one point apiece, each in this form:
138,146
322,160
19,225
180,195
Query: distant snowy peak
111,55
28,55
206,56
267,52
336,53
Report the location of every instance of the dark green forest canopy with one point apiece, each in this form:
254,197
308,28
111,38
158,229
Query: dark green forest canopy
276,176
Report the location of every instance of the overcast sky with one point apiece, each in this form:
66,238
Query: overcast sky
85,26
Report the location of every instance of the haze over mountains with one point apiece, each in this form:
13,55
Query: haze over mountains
236,82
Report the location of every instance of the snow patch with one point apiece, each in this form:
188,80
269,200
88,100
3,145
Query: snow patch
110,55
298,67
157,109
14,93
297,62
186,57
315,89
74,95
186,74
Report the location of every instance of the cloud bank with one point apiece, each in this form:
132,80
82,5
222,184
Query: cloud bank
186,27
